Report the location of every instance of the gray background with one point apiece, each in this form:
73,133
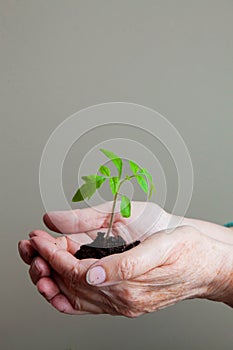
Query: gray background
60,56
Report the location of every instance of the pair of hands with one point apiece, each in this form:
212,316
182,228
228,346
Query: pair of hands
165,268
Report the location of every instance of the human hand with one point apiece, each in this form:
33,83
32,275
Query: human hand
146,218
164,269
84,225
52,288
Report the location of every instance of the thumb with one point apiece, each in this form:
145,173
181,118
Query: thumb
152,252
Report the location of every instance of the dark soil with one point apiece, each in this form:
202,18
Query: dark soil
103,246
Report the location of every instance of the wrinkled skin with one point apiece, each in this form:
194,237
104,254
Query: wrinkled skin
167,267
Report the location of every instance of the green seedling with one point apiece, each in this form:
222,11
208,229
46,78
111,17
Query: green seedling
94,182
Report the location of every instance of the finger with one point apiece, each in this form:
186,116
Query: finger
40,233
62,304
75,241
38,269
48,288
61,260
71,244
92,295
152,252
26,251
71,268
66,243
79,220
83,299
52,293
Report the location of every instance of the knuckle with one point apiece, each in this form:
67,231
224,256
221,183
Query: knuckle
35,232
78,304
75,277
54,255
41,289
62,242
40,286
34,273
127,267
127,296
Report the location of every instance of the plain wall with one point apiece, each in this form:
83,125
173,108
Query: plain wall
58,57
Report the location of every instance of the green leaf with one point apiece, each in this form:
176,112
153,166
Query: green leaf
98,180
134,167
146,173
114,184
93,178
125,207
142,171
115,159
105,170
142,182
150,179
92,182
85,191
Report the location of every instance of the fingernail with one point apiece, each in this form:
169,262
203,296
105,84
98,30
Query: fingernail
96,275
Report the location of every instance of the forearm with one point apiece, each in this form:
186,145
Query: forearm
220,233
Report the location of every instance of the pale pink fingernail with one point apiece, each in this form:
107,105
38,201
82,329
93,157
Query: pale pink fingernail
96,275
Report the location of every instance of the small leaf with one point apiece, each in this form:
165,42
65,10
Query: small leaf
134,167
79,195
92,182
98,180
114,184
105,170
142,182
146,173
92,178
125,207
85,191
150,179
114,158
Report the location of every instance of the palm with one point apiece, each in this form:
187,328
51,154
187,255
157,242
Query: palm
146,218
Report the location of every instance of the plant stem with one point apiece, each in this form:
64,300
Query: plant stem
114,204
112,215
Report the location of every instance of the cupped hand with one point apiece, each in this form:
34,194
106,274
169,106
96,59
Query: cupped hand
145,219
82,226
163,269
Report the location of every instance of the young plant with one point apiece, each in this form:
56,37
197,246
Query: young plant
94,182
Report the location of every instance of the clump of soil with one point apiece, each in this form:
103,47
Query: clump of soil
104,246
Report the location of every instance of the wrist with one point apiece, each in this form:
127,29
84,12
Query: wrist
221,287
210,229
